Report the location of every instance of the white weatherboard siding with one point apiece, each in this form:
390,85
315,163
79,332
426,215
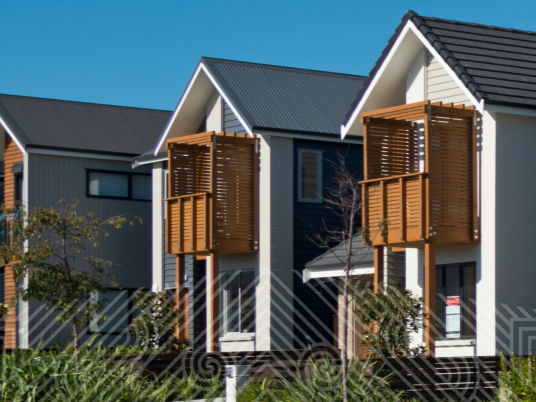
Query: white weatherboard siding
440,86
515,249
275,287
157,227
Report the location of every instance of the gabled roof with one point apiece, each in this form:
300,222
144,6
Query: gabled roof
363,255
78,126
497,65
283,98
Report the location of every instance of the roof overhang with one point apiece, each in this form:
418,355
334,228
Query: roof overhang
387,86
191,107
10,132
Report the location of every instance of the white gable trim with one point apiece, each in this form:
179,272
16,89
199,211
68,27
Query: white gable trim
409,26
203,68
13,136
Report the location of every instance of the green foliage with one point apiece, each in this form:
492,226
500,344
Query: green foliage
48,245
266,391
154,327
518,378
390,317
91,375
4,308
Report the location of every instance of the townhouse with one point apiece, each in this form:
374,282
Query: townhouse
238,179
448,121
54,149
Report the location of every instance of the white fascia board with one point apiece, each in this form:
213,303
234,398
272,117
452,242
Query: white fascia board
135,164
359,107
12,135
409,26
318,137
334,272
79,154
185,96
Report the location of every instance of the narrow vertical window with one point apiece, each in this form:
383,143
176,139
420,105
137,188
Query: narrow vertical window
239,302
309,175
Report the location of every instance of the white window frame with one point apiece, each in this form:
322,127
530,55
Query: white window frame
223,301
318,198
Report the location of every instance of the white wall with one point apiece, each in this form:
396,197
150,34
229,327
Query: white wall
214,113
515,248
157,227
415,79
274,302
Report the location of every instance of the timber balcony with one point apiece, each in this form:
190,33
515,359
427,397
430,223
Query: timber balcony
212,204
420,175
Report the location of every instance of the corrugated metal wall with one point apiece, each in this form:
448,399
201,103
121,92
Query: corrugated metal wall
54,177
231,124
440,86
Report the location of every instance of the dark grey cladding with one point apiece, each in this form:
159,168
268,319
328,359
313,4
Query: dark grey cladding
78,126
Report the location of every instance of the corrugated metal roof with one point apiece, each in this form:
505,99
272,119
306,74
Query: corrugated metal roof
287,99
89,127
496,64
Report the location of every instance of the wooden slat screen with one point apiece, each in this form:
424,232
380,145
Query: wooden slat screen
189,169
392,148
450,168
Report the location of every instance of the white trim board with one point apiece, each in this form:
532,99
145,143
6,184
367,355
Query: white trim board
318,137
12,135
408,27
333,272
135,164
200,68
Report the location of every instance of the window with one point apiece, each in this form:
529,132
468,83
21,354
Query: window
119,185
309,175
239,302
455,300
118,310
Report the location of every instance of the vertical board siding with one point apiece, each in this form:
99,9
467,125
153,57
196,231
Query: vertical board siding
12,154
308,218
55,177
231,124
440,86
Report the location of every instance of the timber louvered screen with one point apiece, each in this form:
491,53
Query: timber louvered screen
392,148
212,204
420,174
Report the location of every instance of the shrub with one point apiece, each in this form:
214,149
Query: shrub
90,375
155,325
518,378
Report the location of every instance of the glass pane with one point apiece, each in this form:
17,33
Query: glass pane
108,184
468,301
247,306
233,314
141,187
452,312
309,175
116,309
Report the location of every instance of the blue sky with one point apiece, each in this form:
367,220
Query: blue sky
142,53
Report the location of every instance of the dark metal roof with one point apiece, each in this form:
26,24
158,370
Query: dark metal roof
78,126
495,64
363,255
286,99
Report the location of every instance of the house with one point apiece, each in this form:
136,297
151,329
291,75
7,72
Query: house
55,149
448,121
238,178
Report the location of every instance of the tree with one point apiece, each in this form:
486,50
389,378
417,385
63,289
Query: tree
394,315
47,246
344,201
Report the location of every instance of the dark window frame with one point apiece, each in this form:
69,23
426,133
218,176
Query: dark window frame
227,278
130,291
111,197
320,175
461,265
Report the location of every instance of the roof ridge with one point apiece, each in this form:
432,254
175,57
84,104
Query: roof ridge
36,98
277,67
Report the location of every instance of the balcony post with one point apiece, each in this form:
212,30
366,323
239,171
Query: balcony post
430,297
378,267
181,298
213,302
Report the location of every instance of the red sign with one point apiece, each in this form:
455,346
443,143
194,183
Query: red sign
453,301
